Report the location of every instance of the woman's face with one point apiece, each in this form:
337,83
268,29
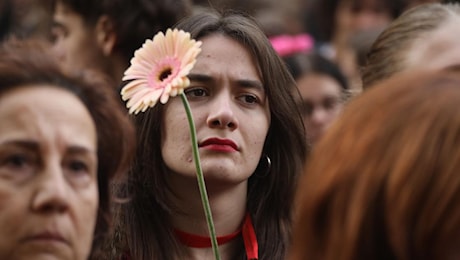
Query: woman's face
321,103
48,175
362,15
230,110
76,45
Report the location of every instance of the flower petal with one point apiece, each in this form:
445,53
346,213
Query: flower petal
159,70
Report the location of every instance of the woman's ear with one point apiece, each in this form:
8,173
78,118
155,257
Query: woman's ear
105,34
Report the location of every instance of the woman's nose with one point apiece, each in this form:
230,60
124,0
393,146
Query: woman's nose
319,116
51,193
222,114
59,52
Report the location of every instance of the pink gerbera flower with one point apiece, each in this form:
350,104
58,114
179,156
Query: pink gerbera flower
159,69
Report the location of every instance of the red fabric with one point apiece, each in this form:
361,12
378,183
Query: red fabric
249,237
197,241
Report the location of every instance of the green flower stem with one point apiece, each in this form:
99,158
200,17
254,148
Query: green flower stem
200,177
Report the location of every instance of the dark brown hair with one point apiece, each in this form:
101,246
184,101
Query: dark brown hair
144,222
28,63
384,182
134,20
324,12
300,64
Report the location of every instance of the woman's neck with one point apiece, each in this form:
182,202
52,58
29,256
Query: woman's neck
226,251
228,206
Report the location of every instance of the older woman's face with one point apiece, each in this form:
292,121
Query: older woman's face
48,175
231,114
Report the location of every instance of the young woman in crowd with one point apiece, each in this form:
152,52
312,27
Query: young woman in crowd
251,143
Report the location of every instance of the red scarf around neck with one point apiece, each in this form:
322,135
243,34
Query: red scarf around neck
247,230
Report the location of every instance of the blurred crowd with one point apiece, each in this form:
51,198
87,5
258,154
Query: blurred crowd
340,30
348,120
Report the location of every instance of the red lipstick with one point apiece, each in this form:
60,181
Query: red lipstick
220,145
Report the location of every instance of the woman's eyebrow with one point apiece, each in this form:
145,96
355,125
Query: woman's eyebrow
26,144
77,149
246,83
35,146
200,78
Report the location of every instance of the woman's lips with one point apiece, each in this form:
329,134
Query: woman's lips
47,237
218,144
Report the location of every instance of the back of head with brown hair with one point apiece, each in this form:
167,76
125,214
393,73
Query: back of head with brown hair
388,53
384,181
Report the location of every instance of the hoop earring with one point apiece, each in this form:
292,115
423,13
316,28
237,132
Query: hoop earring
264,167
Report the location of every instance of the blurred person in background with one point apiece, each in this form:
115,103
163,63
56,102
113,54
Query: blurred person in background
24,19
323,91
384,181
424,37
104,34
413,3
274,16
5,19
335,25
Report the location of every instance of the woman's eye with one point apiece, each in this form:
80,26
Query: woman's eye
249,99
195,92
16,161
78,167
331,103
57,34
